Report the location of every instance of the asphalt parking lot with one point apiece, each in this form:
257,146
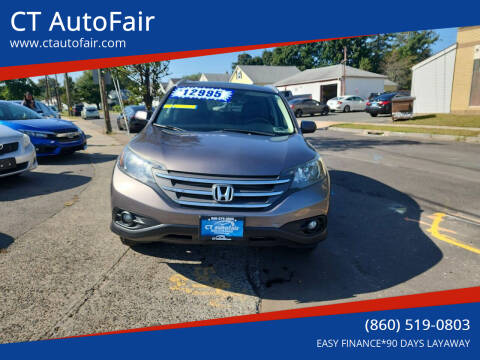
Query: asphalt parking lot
405,218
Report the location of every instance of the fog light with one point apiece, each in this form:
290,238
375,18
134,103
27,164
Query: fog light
127,218
312,225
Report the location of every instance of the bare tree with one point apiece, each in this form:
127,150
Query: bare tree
143,80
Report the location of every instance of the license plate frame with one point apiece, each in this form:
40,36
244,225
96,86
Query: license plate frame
221,228
8,163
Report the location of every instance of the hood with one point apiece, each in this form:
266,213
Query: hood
54,125
6,134
222,153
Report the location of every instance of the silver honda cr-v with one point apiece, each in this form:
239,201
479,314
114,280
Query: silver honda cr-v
221,163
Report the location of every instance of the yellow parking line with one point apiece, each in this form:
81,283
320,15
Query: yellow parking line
434,230
428,224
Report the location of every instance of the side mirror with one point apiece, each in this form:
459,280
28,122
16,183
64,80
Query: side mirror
141,115
308,126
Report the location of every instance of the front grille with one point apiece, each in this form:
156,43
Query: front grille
20,166
8,148
194,190
66,139
65,135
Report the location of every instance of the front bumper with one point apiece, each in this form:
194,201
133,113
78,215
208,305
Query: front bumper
170,222
49,147
25,159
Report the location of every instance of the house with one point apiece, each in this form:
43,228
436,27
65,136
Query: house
466,78
215,77
432,81
449,81
261,74
330,81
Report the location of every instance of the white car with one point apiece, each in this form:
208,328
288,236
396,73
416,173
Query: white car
347,103
17,153
90,112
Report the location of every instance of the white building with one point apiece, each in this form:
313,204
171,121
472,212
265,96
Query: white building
326,82
432,81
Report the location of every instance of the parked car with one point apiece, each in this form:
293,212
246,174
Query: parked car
347,103
40,108
49,136
77,109
382,104
134,124
90,112
200,173
55,111
302,107
289,95
17,154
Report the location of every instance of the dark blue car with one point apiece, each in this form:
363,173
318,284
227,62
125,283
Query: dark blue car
49,136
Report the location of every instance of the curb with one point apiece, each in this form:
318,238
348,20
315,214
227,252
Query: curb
467,139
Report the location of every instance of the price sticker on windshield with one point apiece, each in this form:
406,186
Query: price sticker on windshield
203,93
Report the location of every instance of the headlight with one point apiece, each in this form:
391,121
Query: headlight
39,134
25,140
137,167
309,173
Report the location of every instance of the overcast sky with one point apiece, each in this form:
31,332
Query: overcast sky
222,63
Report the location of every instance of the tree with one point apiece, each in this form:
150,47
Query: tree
247,59
16,89
397,68
143,80
408,49
87,90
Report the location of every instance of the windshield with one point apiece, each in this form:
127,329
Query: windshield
215,109
10,111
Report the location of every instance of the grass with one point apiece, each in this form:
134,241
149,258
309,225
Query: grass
417,130
445,120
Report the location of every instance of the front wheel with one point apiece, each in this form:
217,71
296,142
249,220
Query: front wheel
325,112
298,113
373,115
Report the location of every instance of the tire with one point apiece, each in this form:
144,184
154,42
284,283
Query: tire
298,113
346,109
373,115
325,112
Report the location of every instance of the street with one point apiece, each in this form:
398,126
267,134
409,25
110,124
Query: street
404,219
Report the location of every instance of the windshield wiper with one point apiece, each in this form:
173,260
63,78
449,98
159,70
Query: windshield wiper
169,127
253,132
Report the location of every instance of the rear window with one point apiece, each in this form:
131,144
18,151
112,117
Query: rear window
385,97
215,109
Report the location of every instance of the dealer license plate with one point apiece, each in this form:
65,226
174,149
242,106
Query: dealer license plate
221,228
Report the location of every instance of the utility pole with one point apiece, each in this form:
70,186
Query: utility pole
57,96
67,90
344,70
103,95
47,90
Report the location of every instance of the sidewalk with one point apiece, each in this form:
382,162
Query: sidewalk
386,130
